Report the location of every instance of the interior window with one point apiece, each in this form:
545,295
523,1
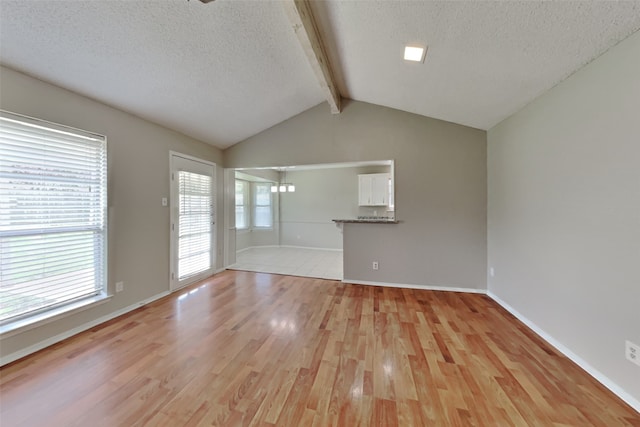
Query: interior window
242,201
263,213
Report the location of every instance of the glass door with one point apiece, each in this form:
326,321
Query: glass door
193,242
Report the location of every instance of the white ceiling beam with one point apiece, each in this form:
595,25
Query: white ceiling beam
299,12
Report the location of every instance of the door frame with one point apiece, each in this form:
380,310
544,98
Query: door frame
174,283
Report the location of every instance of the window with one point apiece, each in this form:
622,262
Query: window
195,212
262,213
253,205
242,204
53,220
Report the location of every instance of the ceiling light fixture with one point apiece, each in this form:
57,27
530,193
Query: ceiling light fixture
284,186
415,53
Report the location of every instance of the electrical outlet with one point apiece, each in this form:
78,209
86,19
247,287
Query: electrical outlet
632,352
492,272
119,286
165,202
375,265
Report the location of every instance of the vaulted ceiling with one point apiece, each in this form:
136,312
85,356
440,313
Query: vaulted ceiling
223,71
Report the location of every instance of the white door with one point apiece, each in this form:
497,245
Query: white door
193,240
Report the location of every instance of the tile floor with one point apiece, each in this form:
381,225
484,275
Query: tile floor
319,263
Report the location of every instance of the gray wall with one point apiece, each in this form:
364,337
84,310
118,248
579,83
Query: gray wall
321,195
138,177
256,237
440,172
564,212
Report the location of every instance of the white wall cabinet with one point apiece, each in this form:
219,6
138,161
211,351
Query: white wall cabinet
373,189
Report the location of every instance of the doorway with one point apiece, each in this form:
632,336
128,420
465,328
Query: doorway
193,218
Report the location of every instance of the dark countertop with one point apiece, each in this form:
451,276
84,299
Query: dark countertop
365,221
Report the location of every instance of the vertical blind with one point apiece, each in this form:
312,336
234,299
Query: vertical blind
53,223
195,217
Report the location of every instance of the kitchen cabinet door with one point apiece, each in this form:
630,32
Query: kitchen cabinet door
373,189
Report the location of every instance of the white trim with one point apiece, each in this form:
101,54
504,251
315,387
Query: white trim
312,248
599,376
174,281
188,157
413,286
67,334
287,246
67,136
15,327
229,218
316,166
256,247
330,221
57,126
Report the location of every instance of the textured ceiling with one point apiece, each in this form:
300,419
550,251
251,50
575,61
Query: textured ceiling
227,70
485,61
218,72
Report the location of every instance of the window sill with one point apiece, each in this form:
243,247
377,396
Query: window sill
15,327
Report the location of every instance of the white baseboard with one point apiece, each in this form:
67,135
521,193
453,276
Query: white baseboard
287,246
599,376
311,248
413,286
256,247
67,334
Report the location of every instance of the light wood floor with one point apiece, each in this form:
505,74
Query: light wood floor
258,349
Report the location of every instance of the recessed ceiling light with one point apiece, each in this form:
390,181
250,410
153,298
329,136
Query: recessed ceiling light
414,53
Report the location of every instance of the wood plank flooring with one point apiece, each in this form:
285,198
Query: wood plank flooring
267,350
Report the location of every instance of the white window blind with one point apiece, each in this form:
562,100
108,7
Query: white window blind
195,223
242,202
53,222
262,213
